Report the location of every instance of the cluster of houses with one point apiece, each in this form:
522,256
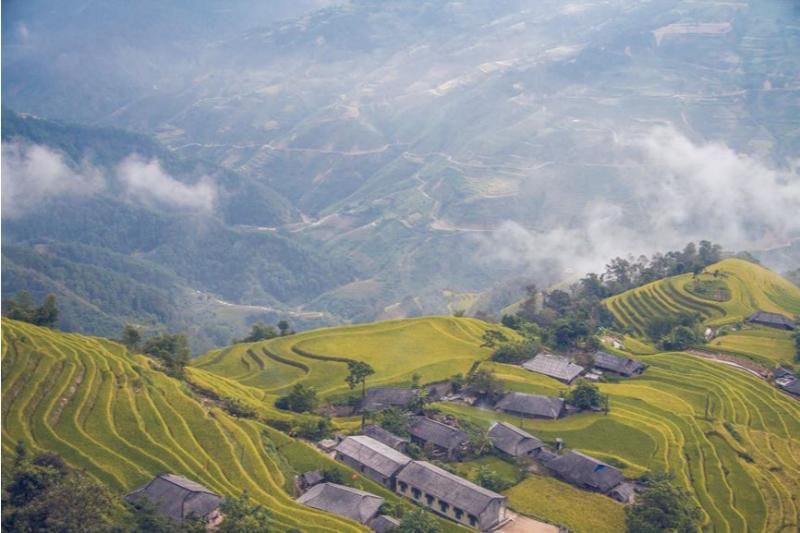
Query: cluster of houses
786,380
424,483
565,371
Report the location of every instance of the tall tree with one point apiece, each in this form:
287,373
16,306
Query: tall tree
359,371
663,507
46,315
418,521
131,337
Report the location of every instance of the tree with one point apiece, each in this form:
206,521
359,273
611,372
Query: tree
260,332
485,384
585,395
171,349
680,338
478,440
311,427
489,479
457,382
559,301
46,315
243,516
797,347
515,352
491,337
663,507
394,420
284,327
359,371
131,337
20,307
418,521
147,519
301,399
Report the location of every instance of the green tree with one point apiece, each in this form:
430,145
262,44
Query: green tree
515,352
457,382
20,307
301,399
493,337
479,441
394,420
418,521
243,516
489,479
797,347
147,519
171,349
484,383
311,427
46,315
284,327
585,395
359,372
131,337
663,507
260,332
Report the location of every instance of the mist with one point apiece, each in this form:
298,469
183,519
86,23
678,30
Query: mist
147,182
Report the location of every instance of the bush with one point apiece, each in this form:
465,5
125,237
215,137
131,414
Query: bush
301,399
489,479
238,408
515,352
585,395
663,507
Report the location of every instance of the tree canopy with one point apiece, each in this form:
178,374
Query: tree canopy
22,308
662,507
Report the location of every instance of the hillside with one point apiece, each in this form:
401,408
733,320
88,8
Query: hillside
433,347
740,289
110,413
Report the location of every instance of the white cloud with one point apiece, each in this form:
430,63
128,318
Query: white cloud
147,182
33,174
686,192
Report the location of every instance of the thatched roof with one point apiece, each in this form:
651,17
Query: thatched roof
435,432
582,470
774,320
614,363
532,405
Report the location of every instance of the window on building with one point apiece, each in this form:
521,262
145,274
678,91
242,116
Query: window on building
403,486
473,520
444,506
417,493
429,499
459,513
362,468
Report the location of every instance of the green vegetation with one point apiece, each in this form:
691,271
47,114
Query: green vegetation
585,395
662,507
709,287
301,399
21,307
559,503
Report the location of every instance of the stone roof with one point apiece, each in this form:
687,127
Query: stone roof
793,387
386,437
532,405
772,319
312,477
345,501
615,363
581,469
554,366
512,440
373,454
177,498
378,399
781,372
437,433
383,523
448,487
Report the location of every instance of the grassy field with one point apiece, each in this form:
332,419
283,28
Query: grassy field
433,347
774,345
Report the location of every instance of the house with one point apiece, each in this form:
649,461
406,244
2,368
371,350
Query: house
179,499
446,440
513,441
792,387
386,437
532,405
624,492
772,320
383,523
344,501
374,459
380,398
585,472
556,367
451,496
781,372
619,365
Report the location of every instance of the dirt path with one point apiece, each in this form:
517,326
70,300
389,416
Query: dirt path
523,524
737,362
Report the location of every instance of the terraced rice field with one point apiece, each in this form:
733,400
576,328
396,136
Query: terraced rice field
433,347
111,414
747,481
752,288
758,343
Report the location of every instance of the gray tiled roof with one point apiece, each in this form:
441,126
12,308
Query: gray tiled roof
345,501
373,454
532,404
581,469
512,440
381,398
451,488
177,497
386,437
554,366
615,363
437,433
772,319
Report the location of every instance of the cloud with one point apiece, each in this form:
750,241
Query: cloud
147,182
33,174
683,191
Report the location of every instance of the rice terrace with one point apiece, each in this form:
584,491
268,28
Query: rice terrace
730,438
